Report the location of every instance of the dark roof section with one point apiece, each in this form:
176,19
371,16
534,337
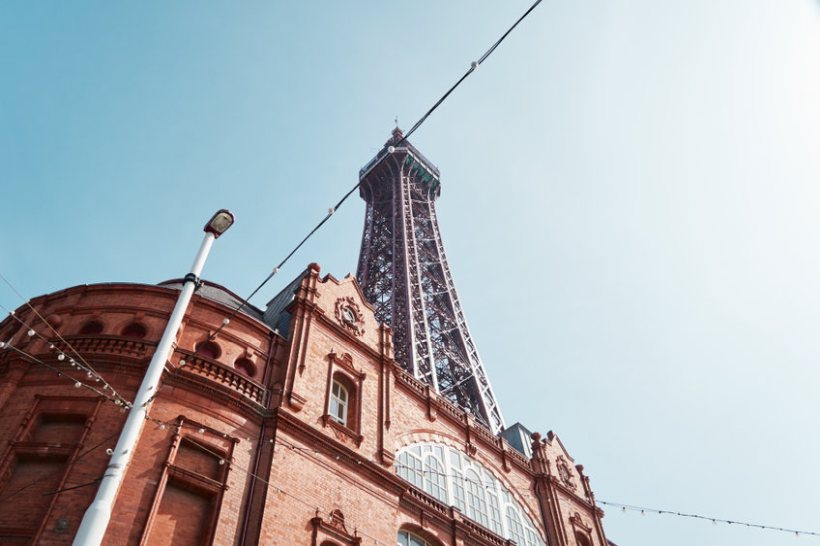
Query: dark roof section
219,294
520,438
276,315
396,138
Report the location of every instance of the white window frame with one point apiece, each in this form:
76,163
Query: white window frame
338,405
469,487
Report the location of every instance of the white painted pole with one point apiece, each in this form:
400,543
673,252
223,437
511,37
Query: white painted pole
95,521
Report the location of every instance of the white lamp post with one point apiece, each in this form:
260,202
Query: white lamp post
95,521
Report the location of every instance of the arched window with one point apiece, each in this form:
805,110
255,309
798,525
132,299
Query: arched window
455,479
338,405
409,539
208,349
409,467
495,512
435,480
476,505
515,527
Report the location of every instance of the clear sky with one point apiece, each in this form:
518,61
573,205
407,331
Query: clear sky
630,203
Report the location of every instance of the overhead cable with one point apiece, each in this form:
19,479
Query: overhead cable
473,66
644,510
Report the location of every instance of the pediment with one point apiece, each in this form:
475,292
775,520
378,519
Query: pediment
344,305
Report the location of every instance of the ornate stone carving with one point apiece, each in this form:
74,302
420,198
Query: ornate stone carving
564,472
349,315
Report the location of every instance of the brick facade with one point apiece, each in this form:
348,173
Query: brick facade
243,448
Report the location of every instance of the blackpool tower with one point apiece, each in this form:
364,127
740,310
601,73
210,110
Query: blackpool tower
403,272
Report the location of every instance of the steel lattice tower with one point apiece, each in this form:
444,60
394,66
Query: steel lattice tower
404,274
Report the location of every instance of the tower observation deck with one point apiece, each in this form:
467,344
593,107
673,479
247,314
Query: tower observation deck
403,272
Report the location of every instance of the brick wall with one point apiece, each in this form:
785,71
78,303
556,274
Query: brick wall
241,459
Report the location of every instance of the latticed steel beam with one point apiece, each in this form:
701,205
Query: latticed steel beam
404,273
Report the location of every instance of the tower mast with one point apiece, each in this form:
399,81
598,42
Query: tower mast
403,272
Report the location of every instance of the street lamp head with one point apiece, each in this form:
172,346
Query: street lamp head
219,222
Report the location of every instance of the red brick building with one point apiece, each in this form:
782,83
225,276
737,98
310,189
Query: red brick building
293,425
254,442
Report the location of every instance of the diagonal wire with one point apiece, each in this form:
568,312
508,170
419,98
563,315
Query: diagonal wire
48,476
86,368
59,372
473,66
67,344
644,510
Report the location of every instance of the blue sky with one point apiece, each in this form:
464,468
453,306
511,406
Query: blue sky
629,203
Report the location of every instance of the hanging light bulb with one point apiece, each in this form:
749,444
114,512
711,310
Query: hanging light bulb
77,385
31,332
61,356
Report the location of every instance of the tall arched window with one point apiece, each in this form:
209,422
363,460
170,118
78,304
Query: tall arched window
338,405
476,504
435,481
457,480
515,527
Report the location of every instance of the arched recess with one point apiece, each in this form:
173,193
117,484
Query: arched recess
208,349
245,366
135,330
92,328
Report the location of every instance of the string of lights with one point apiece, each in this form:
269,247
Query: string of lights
124,406
473,66
643,510
31,331
624,507
61,356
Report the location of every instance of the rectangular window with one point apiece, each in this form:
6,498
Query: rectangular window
184,516
25,495
338,403
187,503
37,463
